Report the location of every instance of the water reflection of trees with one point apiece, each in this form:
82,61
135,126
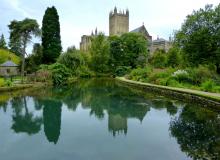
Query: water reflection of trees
197,130
52,119
24,121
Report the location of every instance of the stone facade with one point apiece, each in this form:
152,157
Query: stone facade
8,68
118,22
85,43
161,44
118,25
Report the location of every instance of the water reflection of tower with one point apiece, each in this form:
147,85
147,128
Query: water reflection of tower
117,124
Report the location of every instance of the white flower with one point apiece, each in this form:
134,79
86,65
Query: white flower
179,72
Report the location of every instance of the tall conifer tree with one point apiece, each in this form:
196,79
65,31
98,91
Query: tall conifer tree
51,41
2,42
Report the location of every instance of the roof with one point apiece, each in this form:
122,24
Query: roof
159,40
141,29
9,64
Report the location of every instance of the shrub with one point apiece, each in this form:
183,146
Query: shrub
158,60
122,70
182,76
173,57
200,74
8,83
72,60
43,75
84,72
208,85
60,73
140,74
158,75
2,82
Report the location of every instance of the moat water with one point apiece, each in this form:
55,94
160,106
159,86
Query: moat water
99,119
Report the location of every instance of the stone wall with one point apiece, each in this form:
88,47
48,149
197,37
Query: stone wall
192,98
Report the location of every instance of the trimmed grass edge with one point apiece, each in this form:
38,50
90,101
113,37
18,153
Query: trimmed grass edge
210,97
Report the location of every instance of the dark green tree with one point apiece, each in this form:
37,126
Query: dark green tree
21,33
199,37
51,40
128,50
3,44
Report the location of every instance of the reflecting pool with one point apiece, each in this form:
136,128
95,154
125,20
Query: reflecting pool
100,119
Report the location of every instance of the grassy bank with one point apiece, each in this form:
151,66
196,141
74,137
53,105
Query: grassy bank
193,95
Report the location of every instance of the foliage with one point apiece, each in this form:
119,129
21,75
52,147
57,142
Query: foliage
71,49
99,54
84,72
51,40
72,59
60,73
158,60
173,57
3,44
140,74
5,55
43,75
2,82
21,32
199,37
35,59
182,76
8,83
122,70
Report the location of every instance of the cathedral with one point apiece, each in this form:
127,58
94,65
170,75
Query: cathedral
118,25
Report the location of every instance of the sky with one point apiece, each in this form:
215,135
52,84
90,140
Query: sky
80,17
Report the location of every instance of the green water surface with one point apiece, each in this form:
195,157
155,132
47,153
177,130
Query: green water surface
99,119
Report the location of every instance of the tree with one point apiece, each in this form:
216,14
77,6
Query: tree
100,53
51,41
199,37
173,57
21,33
72,59
159,59
128,50
2,42
35,59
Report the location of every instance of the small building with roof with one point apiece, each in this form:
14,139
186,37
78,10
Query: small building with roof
9,68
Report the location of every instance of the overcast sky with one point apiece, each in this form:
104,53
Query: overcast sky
79,17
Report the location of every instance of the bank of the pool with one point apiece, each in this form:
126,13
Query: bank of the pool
22,87
200,97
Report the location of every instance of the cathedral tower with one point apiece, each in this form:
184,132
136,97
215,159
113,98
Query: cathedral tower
118,22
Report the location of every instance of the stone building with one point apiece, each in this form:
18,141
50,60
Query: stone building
142,30
118,25
161,44
86,41
8,68
118,22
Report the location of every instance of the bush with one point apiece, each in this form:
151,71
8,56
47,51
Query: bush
72,60
140,74
200,74
182,76
60,73
8,83
122,70
84,72
173,57
208,85
43,75
158,60
2,82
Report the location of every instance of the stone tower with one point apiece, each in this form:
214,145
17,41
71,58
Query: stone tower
118,22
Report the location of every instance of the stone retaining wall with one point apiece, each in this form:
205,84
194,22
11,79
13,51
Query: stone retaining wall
189,97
